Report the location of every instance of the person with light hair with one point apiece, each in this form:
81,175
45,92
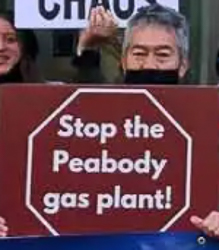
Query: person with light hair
156,46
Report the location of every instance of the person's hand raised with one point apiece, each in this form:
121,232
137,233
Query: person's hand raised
102,26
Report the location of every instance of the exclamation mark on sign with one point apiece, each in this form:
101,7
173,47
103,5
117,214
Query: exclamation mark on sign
168,204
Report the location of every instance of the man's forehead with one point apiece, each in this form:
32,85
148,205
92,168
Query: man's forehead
153,36
151,47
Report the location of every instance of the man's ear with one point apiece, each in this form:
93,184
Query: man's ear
184,66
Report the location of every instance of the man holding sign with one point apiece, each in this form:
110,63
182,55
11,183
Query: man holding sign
155,50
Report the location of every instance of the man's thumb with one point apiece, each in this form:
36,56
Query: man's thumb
196,221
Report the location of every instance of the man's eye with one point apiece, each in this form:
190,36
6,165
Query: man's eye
11,39
163,55
139,54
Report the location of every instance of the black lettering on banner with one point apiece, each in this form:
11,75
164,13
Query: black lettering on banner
104,3
68,9
124,14
49,15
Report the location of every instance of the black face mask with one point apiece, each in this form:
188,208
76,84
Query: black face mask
152,76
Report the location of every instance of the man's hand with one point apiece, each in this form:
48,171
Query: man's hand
102,26
3,228
209,225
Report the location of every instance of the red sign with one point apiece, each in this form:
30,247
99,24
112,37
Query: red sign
107,159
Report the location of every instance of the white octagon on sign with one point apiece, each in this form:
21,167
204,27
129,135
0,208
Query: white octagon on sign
68,101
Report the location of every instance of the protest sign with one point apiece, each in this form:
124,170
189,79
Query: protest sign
69,14
89,160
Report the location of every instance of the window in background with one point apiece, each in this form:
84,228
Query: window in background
64,42
3,5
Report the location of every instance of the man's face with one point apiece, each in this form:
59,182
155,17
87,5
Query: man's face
153,47
10,51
